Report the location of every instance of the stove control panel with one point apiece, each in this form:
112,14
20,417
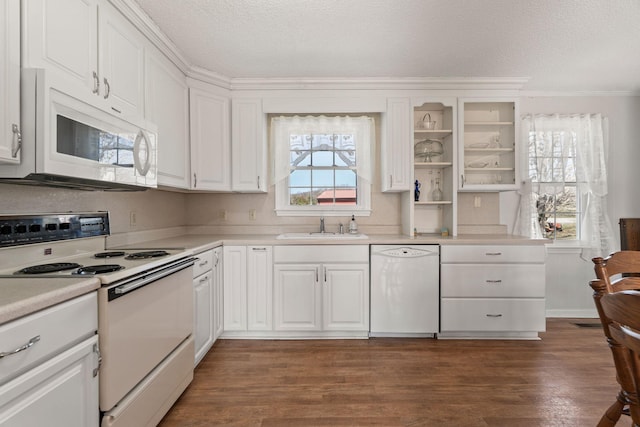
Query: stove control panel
18,230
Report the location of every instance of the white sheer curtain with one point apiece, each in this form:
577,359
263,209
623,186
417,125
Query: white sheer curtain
586,167
283,127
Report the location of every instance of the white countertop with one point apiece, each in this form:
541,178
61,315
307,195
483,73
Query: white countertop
202,242
22,296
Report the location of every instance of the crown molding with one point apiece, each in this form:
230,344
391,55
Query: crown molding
207,76
152,32
575,93
381,83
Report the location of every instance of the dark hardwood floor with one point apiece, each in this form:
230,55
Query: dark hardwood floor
565,379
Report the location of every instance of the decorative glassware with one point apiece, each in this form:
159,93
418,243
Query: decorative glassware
436,194
425,150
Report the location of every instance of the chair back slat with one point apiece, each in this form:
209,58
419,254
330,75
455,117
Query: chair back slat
618,272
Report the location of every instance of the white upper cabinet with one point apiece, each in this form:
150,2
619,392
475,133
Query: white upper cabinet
249,146
121,62
167,105
210,151
489,147
10,81
395,159
93,52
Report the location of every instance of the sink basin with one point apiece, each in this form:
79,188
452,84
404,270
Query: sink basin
320,236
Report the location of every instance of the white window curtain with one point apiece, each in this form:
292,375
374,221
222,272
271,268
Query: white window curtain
589,171
282,127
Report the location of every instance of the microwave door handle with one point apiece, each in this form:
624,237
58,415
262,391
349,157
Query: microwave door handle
143,167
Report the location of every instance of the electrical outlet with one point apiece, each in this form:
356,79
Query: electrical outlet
252,214
223,214
133,218
477,202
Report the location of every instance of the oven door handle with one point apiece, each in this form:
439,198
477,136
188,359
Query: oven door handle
147,278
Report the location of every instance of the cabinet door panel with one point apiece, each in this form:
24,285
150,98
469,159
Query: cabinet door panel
235,288
61,392
259,288
9,81
218,296
210,154
396,146
249,146
345,297
297,297
203,314
121,49
167,105
62,36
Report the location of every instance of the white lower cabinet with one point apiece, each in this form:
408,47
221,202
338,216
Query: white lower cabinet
248,289
492,291
204,309
218,295
54,380
322,289
298,298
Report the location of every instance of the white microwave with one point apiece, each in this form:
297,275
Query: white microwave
70,143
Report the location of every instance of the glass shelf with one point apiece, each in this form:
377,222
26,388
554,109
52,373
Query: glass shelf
434,165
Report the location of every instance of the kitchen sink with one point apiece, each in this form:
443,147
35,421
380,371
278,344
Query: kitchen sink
319,236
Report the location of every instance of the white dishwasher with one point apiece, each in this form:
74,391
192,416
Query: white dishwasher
405,290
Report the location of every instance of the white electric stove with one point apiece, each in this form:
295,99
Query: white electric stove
145,306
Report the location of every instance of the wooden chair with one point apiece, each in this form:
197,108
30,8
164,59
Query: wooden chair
615,273
623,310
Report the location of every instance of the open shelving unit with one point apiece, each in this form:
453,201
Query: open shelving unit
429,216
488,158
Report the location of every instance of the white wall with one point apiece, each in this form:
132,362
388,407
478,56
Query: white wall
568,275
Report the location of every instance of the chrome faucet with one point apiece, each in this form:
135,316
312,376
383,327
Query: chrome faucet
322,224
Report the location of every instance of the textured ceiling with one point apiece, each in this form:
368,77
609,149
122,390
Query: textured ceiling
560,45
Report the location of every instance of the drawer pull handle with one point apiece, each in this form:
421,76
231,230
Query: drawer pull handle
493,253
204,279
259,249
203,263
494,315
493,281
28,345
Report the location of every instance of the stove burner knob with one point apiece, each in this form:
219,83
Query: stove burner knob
34,228
21,228
51,227
5,229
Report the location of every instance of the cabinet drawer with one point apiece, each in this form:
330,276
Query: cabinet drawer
493,280
59,327
492,315
492,253
203,264
321,253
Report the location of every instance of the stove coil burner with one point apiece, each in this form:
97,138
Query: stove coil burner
110,254
146,254
48,268
98,269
